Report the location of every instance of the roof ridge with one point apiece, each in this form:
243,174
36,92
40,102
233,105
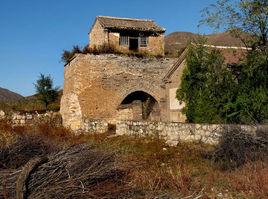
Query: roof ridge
174,67
125,18
228,47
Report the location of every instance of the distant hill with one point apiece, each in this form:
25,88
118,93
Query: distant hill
176,42
10,101
9,96
35,97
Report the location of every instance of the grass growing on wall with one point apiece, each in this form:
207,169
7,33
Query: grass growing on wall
68,55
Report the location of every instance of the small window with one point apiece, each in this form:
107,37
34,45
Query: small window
143,41
123,40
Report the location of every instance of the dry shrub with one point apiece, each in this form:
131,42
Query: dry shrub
5,126
111,49
103,49
52,131
6,135
250,181
139,167
23,149
19,144
156,179
158,170
81,171
49,129
236,147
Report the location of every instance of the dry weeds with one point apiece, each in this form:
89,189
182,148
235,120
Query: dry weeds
148,167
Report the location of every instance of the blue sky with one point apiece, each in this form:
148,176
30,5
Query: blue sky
33,33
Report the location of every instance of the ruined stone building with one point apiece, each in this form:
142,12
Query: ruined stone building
116,87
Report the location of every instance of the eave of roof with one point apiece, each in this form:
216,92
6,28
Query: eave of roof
146,25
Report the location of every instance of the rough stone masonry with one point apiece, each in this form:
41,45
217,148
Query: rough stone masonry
121,87
109,87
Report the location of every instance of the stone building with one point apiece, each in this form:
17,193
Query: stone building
120,87
125,34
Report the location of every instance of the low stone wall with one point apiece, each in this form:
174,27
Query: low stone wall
173,133
20,119
95,126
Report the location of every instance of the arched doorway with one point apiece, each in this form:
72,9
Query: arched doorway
139,105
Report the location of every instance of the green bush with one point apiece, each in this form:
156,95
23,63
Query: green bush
215,92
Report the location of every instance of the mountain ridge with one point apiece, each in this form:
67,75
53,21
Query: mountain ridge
9,96
176,42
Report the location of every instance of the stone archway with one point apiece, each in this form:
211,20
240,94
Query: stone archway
139,105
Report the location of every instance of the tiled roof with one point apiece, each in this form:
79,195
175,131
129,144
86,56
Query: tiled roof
129,24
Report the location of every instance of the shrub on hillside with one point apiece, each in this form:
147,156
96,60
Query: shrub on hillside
237,147
68,55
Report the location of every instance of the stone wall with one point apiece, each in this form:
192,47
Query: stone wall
20,119
95,85
175,107
154,47
98,36
173,133
95,126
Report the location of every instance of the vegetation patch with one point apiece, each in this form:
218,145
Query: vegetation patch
106,166
67,55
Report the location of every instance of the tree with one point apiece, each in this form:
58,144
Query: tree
45,91
246,19
207,85
216,92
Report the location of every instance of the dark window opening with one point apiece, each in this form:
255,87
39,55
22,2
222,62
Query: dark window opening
133,44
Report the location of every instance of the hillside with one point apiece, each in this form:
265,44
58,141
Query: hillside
9,96
176,42
10,101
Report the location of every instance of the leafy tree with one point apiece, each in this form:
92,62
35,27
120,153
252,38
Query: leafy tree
246,19
207,85
45,91
216,92
252,99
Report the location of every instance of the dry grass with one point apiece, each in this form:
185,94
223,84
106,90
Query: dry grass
154,169
250,181
67,56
